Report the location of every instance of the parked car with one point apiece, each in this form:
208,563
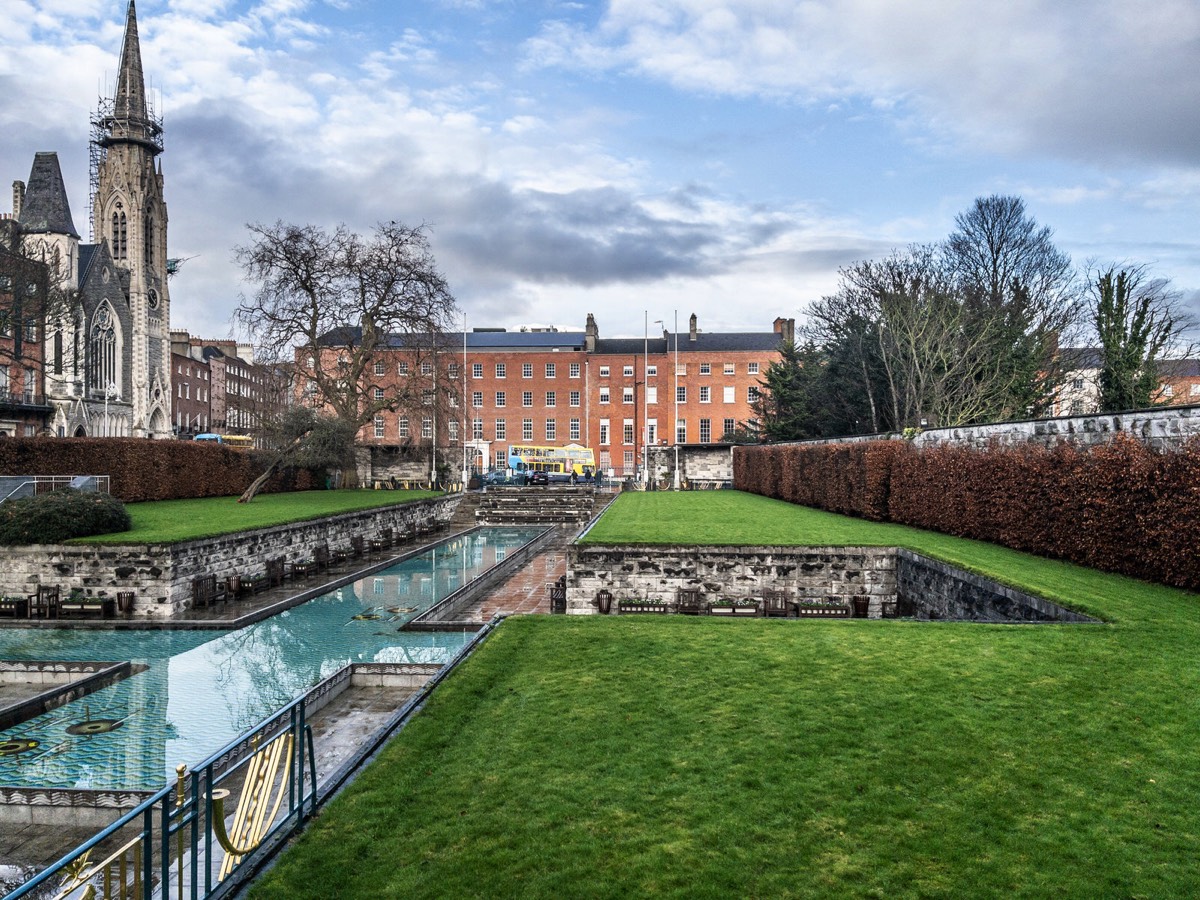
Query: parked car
496,476
540,478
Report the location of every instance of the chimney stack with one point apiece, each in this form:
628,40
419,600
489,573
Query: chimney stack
692,328
591,334
786,329
18,198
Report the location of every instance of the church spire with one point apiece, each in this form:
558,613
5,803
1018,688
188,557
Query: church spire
132,119
130,102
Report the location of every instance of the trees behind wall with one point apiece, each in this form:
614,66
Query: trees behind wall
335,301
959,332
1138,321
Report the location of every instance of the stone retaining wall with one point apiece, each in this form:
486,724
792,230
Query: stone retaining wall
913,585
657,573
1165,428
161,576
930,589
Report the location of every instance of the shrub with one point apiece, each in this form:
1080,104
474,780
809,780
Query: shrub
60,515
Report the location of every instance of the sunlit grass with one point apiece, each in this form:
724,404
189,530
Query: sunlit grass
633,756
171,521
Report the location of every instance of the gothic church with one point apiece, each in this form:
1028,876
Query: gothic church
107,358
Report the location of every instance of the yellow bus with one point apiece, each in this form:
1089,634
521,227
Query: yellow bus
236,441
565,461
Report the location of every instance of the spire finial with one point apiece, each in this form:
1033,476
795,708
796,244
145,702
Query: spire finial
130,102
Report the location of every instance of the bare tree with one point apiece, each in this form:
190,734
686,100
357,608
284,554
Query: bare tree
925,354
1024,288
336,300
34,289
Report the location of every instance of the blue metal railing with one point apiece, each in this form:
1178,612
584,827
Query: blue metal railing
175,843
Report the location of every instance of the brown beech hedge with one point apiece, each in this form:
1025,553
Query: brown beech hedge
1121,507
140,469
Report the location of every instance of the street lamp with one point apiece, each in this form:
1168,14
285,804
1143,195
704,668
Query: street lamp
676,436
466,474
646,409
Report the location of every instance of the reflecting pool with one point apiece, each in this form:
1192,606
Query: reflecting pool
201,689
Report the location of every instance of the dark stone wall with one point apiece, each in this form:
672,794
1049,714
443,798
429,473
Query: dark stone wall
929,589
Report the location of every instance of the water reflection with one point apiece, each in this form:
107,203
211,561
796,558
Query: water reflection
202,689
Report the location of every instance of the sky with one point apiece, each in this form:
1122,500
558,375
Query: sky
635,159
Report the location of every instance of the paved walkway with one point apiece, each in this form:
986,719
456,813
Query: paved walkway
527,589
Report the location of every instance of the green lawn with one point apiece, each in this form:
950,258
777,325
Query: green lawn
736,519
171,521
632,756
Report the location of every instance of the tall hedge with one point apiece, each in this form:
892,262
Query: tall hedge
1121,506
851,478
140,469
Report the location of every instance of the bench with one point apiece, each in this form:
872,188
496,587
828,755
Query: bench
101,607
690,602
558,595
778,604
382,541
44,603
206,591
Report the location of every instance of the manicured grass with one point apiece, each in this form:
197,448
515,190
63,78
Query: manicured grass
734,518
633,756
171,521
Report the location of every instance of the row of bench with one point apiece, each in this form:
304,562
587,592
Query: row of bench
48,603
208,590
690,601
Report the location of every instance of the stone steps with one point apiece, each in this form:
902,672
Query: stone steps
535,506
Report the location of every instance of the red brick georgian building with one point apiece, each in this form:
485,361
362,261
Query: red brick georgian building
482,392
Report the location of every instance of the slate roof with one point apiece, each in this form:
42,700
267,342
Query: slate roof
1179,368
476,340
1083,358
45,209
706,342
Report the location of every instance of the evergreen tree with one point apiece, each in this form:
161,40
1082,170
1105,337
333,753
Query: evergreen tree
786,402
1136,321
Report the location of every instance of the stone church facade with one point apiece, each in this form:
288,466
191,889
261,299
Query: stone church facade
107,358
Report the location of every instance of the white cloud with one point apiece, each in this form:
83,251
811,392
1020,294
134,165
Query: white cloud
1114,82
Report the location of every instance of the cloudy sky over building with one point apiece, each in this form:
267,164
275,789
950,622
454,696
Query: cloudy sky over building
722,158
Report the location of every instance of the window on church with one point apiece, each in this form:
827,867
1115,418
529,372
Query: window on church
104,350
120,234
148,248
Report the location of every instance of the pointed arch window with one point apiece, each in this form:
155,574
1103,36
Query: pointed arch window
119,237
104,351
148,248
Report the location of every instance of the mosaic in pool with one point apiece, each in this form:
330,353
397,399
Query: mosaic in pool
202,689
